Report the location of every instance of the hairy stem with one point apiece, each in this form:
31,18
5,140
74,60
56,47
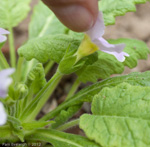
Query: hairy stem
68,125
57,110
3,60
73,88
49,66
41,98
12,48
19,66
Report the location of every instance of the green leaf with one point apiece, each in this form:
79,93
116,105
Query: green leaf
107,64
76,35
87,94
17,129
120,117
26,68
6,134
13,12
116,131
49,24
68,63
58,139
34,106
112,8
123,100
49,47
135,48
36,124
36,78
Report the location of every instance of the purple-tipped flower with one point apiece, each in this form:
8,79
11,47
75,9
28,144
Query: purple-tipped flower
96,33
3,32
5,81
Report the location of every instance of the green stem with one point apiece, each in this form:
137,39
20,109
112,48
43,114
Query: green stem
53,113
73,88
68,125
41,98
29,97
18,107
49,66
12,48
19,67
3,60
57,110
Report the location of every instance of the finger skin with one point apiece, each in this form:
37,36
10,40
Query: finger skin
78,15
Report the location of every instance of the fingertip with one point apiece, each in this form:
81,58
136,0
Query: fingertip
77,15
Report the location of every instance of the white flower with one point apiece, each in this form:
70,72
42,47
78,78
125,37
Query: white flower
5,81
3,32
96,33
3,115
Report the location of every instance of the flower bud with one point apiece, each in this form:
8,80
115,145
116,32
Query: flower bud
21,91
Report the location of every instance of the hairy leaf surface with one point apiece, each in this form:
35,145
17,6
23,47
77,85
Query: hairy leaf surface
16,126
107,64
48,47
123,100
121,117
112,8
62,139
87,94
135,48
36,78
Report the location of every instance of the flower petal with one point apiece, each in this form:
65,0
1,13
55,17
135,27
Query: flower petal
6,72
2,38
5,81
3,31
116,50
96,33
98,29
3,115
120,56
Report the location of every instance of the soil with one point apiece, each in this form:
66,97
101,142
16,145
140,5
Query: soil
133,25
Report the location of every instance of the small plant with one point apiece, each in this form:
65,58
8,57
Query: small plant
120,105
